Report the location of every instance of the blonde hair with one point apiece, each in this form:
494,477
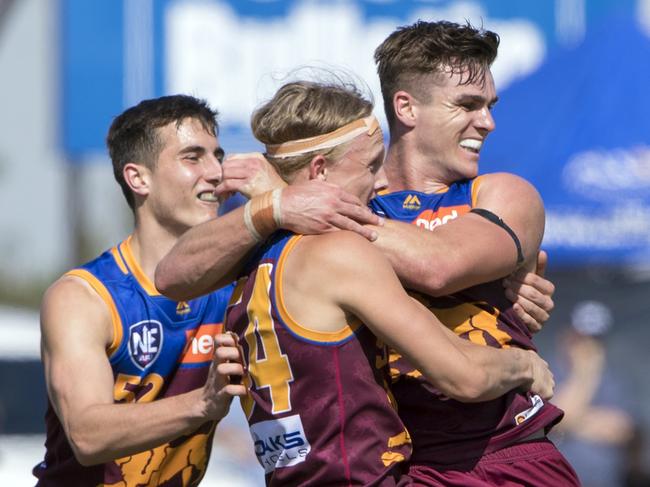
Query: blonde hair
302,109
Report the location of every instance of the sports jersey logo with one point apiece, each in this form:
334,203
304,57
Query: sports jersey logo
411,202
531,411
145,342
280,442
182,308
199,347
430,219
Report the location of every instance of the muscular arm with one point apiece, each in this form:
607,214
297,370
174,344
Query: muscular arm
470,249
76,330
205,258
210,255
362,282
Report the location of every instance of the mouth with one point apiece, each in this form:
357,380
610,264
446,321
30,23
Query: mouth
472,145
208,196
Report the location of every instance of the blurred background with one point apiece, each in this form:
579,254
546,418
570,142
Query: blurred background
572,76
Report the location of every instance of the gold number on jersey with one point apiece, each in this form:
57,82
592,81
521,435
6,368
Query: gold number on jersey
126,386
267,365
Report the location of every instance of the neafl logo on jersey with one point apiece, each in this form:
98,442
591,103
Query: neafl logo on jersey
145,342
199,347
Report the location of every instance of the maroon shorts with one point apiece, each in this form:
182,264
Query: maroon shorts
532,464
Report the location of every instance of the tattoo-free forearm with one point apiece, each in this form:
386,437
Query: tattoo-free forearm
205,258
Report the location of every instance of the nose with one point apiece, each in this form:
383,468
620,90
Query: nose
484,120
213,170
381,181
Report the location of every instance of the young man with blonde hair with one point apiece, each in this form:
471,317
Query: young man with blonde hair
312,319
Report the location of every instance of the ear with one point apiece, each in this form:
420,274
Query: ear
138,177
405,108
318,168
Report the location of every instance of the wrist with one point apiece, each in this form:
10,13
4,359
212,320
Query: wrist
263,214
524,370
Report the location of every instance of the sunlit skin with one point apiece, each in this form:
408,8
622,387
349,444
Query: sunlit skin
359,171
183,181
442,135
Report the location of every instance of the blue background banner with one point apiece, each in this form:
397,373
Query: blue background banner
572,117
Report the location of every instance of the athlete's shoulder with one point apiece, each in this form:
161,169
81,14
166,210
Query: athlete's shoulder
502,180
338,249
71,305
504,186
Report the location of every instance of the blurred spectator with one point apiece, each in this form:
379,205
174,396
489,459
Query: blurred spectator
597,426
636,472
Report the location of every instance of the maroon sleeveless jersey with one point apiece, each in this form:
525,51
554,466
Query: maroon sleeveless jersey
446,431
318,407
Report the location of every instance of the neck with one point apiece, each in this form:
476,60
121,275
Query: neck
150,243
408,169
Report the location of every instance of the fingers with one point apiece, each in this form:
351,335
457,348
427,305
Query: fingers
235,390
342,223
360,214
227,339
317,207
230,368
543,379
250,174
227,353
531,295
542,261
538,283
533,325
246,155
538,304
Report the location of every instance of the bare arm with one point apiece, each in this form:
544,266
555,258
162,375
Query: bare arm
362,282
470,249
76,330
531,294
210,255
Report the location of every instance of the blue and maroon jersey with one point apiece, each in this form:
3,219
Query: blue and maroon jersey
160,348
445,431
318,407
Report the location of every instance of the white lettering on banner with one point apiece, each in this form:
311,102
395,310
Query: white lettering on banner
622,227
280,442
618,174
232,61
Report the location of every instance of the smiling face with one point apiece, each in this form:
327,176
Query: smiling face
182,182
453,123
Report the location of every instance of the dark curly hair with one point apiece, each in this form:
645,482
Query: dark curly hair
416,51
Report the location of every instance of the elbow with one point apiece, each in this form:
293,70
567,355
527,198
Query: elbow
85,449
432,280
161,280
165,284
434,284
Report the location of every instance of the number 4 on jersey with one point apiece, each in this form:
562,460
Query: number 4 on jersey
267,366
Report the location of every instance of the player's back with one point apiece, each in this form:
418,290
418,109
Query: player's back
318,408
161,348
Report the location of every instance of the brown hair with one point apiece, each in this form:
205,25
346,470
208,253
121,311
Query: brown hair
133,136
302,109
414,52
